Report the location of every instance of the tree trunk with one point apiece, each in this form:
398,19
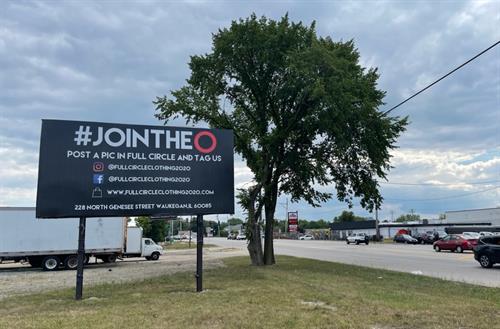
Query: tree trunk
253,229
268,242
255,243
270,207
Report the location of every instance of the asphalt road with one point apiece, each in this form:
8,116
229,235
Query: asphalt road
417,259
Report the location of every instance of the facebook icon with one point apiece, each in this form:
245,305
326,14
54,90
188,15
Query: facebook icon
98,178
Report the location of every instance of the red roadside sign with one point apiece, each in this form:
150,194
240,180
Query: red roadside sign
293,222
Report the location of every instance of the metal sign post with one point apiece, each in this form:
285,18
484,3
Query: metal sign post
199,253
81,258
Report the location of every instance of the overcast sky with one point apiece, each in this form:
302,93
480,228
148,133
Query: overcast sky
106,61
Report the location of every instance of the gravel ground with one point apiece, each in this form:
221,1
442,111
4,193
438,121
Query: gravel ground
18,279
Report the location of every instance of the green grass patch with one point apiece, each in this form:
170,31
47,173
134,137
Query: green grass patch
180,245
295,293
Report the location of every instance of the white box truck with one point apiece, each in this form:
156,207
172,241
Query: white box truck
51,243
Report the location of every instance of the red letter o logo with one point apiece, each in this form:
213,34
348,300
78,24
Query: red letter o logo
197,142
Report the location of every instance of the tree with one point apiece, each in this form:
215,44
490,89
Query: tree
408,218
158,230
305,224
155,230
303,112
347,216
234,221
144,223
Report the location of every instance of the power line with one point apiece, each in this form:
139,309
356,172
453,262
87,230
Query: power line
446,197
444,76
441,184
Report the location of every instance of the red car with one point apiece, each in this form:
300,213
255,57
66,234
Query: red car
455,242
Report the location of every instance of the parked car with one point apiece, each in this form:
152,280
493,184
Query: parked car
405,238
487,251
471,235
231,236
455,242
486,234
425,238
440,234
241,236
358,238
306,237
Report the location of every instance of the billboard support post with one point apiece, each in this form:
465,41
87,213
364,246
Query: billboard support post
81,258
199,253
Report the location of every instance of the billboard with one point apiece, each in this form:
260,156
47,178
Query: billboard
293,222
90,169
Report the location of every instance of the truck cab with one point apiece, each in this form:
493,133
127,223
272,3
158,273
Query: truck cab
137,246
150,250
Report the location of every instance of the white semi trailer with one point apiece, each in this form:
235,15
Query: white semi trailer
52,243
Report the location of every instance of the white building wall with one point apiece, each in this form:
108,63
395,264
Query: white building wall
390,232
489,215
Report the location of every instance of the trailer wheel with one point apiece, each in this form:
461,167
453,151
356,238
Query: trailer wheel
50,263
109,258
71,262
155,256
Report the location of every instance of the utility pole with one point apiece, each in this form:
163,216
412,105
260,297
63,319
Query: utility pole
286,216
377,229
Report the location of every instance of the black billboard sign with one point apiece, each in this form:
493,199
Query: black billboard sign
91,169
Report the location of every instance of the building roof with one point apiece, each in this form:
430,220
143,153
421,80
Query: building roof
494,208
17,208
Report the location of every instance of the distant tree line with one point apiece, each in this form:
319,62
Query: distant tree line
158,230
408,218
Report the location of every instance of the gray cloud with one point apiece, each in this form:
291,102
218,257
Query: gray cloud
106,61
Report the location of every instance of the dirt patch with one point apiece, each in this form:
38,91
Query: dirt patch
318,304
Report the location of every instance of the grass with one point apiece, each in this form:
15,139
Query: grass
180,245
295,293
